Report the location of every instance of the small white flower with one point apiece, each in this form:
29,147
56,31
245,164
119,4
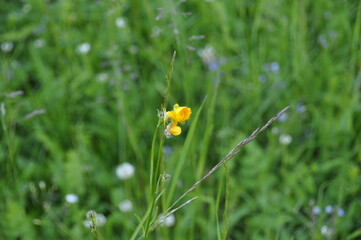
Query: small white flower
285,139
26,8
72,198
326,231
35,113
275,130
207,54
133,49
125,171
101,219
322,40
156,32
102,77
7,46
15,94
120,22
39,43
316,210
42,185
91,214
2,109
87,223
83,48
37,221
125,206
168,221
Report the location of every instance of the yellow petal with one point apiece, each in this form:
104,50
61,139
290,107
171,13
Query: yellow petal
183,114
180,114
175,130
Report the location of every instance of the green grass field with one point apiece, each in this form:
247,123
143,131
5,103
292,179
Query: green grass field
80,85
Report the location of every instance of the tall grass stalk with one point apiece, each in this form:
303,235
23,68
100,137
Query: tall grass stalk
156,161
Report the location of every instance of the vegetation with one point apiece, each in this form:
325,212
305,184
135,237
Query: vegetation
80,85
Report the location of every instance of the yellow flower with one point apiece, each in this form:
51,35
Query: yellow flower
180,114
175,130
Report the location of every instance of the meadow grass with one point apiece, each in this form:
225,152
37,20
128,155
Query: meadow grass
80,85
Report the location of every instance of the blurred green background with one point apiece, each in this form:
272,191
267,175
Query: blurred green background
80,83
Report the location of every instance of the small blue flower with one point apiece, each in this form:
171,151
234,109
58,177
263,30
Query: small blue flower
328,209
340,212
167,150
301,108
274,67
283,117
262,78
213,66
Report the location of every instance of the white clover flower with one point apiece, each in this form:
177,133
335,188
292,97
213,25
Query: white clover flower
125,206
83,48
168,221
125,171
285,139
120,22
7,46
72,198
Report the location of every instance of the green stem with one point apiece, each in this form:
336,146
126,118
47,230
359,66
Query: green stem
154,176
